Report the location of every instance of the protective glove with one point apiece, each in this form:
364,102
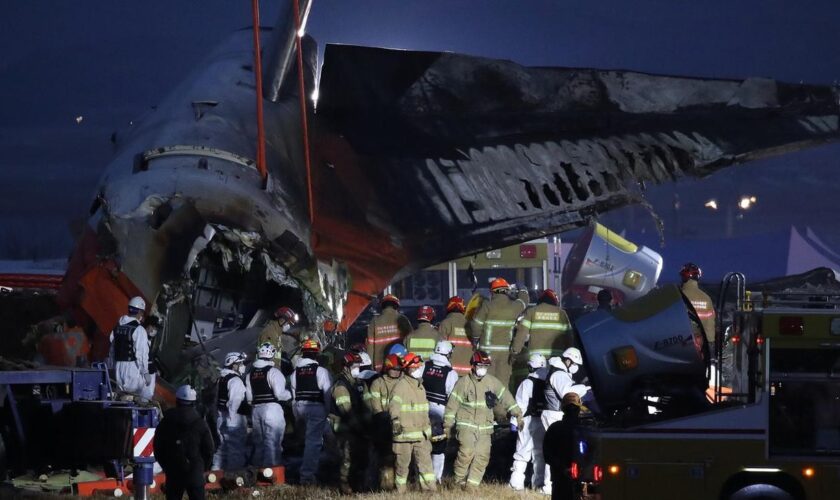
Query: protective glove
514,424
396,428
147,378
491,399
520,422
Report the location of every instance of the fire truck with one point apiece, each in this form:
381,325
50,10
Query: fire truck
769,425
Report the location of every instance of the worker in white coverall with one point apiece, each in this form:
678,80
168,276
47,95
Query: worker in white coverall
130,350
231,421
559,383
265,389
530,396
311,388
152,327
439,379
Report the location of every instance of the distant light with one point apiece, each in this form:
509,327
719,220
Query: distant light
808,472
711,204
614,469
761,469
747,202
79,119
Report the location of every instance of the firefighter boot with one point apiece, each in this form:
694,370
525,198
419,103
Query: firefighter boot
517,476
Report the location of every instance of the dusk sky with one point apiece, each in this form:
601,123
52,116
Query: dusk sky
107,62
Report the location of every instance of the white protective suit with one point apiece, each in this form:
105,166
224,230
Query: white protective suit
436,411
529,439
268,419
233,427
312,417
131,375
561,382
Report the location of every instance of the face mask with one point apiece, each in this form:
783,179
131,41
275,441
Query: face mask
574,369
418,372
354,372
286,327
152,332
480,371
241,369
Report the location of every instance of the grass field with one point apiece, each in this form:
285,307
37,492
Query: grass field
495,491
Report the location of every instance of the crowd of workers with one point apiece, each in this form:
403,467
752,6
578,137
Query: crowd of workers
406,396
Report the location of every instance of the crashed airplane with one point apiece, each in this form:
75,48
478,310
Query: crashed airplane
408,159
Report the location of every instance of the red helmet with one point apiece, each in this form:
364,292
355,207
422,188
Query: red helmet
286,313
351,358
392,362
455,304
310,346
411,361
480,358
426,313
690,272
390,299
499,284
549,295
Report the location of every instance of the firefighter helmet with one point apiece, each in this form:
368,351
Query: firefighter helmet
481,358
455,304
411,361
287,314
690,271
536,361
310,346
390,299
426,313
570,399
392,362
443,347
499,285
549,296
185,393
266,351
235,357
137,303
351,358
573,353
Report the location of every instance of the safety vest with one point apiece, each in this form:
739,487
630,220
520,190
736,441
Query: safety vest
124,342
223,395
434,381
261,392
306,384
537,403
552,399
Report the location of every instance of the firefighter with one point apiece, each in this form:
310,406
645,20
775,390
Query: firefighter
349,418
439,379
381,392
423,339
530,396
493,325
410,426
265,389
231,421
470,411
690,275
545,327
560,382
559,448
183,447
273,333
386,329
152,326
311,389
130,350
454,329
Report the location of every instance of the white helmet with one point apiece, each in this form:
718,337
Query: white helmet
137,303
235,357
366,361
573,354
185,393
536,361
556,362
443,347
266,351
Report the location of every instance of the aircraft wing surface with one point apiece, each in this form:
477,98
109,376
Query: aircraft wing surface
447,154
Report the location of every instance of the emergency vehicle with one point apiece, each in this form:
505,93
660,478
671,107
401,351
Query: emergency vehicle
771,429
